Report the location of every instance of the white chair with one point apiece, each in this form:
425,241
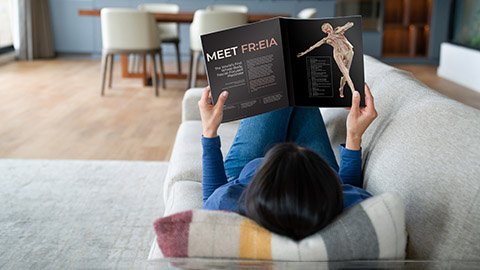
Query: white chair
307,13
205,21
168,31
126,31
233,8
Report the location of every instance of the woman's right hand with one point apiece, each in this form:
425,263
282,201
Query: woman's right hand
211,114
359,119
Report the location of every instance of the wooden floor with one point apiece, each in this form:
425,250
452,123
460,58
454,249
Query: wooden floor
53,110
428,75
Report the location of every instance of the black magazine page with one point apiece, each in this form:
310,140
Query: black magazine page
288,64
248,62
326,58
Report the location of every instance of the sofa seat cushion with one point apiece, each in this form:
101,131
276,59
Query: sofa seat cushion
373,229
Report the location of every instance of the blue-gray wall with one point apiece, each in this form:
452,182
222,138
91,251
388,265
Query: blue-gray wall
439,31
79,34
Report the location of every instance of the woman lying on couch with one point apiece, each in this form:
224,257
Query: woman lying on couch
296,188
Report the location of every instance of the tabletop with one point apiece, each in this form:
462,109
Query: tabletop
187,16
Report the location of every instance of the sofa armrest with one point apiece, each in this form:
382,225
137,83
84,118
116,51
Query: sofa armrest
190,104
185,195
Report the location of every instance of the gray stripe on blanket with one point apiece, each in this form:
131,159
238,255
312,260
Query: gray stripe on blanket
355,238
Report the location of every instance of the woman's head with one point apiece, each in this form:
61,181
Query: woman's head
294,193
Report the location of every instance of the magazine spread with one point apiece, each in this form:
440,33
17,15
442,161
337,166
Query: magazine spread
283,62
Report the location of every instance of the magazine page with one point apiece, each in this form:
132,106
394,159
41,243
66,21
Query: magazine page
248,62
326,60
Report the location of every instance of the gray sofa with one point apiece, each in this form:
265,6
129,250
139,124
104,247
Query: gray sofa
423,145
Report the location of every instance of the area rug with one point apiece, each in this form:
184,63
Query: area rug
67,214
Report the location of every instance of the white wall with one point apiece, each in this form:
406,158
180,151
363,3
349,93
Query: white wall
460,64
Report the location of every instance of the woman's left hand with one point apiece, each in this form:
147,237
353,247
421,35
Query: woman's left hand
359,119
211,115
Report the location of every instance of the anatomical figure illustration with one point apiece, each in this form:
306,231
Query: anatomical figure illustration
342,51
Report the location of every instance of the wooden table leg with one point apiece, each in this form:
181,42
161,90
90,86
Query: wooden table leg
145,75
124,64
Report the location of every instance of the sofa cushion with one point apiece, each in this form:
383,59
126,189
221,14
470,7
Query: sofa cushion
429,153
186,159
373,229
184,195
190,100
425,147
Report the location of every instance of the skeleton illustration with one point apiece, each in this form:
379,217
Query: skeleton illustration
342,51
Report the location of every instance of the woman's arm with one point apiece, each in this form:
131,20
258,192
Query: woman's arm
213,171
358,121
350,171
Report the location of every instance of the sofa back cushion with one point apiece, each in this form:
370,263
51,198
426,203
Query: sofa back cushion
425,147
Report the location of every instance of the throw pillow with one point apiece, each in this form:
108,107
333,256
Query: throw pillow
371,230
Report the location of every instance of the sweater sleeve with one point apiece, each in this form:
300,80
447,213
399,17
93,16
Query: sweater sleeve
213,171
350,171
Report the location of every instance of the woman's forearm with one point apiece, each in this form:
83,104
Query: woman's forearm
359,119
213,170
353,142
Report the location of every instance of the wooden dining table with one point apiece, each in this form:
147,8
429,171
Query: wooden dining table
187,16
181,17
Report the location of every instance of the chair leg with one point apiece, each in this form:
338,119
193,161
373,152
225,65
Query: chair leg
144,66
179,61
111,71
154,74
104,72
196,56
162,70
199,57
190,71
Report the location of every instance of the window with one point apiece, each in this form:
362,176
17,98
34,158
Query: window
6,38
466,23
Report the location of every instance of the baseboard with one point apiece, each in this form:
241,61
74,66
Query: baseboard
7,57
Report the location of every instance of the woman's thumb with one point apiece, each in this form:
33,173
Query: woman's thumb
355,102
221,100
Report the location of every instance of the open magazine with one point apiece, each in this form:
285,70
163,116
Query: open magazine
284,62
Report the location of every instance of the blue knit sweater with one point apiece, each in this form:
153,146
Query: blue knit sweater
220,194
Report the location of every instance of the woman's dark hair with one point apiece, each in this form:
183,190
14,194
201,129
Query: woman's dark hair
294,193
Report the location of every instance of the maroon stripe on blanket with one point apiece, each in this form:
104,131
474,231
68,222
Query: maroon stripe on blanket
172,234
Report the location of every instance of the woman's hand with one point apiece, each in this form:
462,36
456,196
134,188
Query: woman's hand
211,115
359,119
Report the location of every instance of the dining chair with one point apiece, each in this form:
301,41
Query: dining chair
307,13
235,8
169,32
205,21
126,31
